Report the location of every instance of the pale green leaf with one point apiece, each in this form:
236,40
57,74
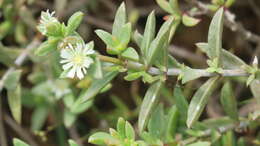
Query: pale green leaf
215,35
165,5
149,33
119,21
181,102
199,101
121,128
190,74
255,86
72,142
74,22
129,131
148,104
14,101
101,138
130,54
138,38
229,101
94,89
12,79
107,38
228,60
18,142
189,21
157,122
200,143
125,34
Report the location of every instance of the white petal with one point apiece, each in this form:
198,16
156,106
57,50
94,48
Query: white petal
79,73
87,62
71,73
84,70
64,61
65,54
67,66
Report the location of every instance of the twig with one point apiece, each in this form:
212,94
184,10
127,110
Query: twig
74,135
3,141
19,130
229,22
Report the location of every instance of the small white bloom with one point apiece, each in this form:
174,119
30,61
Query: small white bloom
76,59
46,18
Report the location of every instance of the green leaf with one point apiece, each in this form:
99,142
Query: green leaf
189,21
190,74
74,22
94,88
157,122
133,76
172,123
228,139
18,142
162,37
255,86
199,100
149,33
72,142
200,143
129,131
54,29
229,101
215,35
107,38
101,138
47,47
69,118
148,104
138,38
81,107
181,102
119,21
175,7
125,34
121,128
14,101
130,54
165,5
12,79
38,117
228,60
229,3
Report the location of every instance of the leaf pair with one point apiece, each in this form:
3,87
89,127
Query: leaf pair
154,48
117,41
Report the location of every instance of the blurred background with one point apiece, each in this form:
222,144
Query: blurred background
41,122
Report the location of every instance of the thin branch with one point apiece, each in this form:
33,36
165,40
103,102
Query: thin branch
229,22
24,134
3,140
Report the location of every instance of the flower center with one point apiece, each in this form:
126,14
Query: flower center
78,60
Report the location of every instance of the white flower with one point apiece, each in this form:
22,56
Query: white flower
46,18
76,59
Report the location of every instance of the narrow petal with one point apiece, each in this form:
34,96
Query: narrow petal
79,73
65,54
71,73
67,66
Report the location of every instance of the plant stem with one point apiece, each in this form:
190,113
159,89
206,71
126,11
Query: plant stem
171,71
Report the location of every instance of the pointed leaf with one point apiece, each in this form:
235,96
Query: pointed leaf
106,37
119,21
130,54
215,35
149,33
72,142
255,86
181,102
94,88
157,122
199,101
125,34
12,80
18,142
189,21
129,131
74,22
228,60
14,101
190,74
229,101
172,123
165,5
200,143
121,128
162,37
138,38
101,138
148,104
